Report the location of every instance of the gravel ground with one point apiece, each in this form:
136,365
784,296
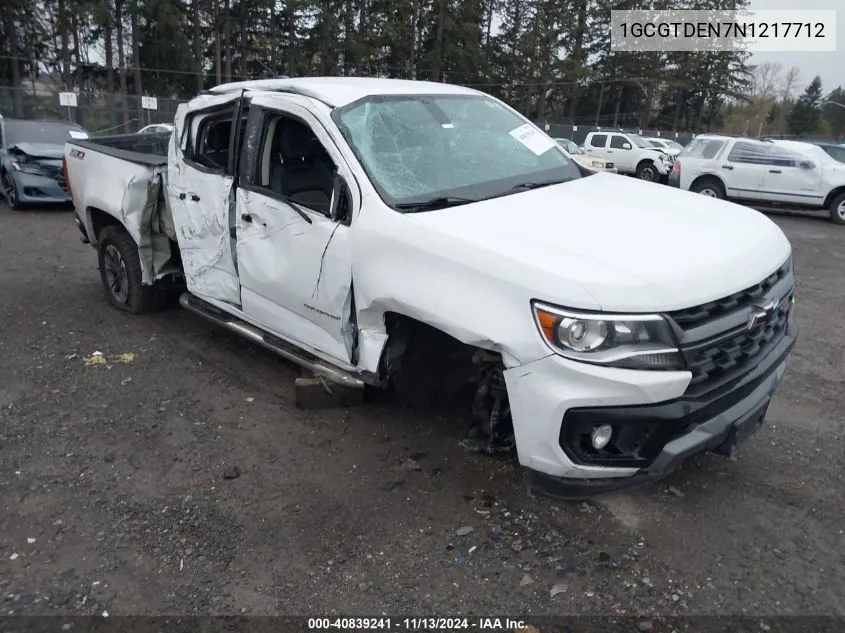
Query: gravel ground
177,477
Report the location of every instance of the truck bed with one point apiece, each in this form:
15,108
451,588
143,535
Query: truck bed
125,177
144,149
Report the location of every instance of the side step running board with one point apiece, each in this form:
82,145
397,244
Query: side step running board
272,343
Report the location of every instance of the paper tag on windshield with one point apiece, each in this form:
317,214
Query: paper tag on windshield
75,134
532,138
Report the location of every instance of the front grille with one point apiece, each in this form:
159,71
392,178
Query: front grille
690,318
717,359
730,356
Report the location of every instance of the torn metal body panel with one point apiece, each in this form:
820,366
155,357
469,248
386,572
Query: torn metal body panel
418,233
109,177
295,277
199,197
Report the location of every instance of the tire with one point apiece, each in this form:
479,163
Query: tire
12,198
647,171
120,272
710,188
837,209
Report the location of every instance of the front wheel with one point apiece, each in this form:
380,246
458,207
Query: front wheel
648,171
837,209
12,197
120,272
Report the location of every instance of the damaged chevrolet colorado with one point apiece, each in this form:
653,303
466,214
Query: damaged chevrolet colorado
425,236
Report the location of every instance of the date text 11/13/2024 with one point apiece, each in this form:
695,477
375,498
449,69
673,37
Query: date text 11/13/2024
417,624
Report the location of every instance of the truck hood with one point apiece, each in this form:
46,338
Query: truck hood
661,150
631,245
38,150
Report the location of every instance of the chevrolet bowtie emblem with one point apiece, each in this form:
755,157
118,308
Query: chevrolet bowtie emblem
757,315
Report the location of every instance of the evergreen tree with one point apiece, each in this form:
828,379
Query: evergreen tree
807,112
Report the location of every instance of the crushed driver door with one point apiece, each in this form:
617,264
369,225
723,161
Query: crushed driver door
201,194
294,261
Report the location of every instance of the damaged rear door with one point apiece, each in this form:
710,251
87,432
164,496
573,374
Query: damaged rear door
293,260
201,194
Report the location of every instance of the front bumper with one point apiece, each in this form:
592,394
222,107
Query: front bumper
33,189
550,394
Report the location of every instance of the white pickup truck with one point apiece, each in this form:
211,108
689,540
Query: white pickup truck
763,173
427,236
631,154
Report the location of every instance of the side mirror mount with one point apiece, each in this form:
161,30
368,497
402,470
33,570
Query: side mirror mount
806,164
626,146
339,204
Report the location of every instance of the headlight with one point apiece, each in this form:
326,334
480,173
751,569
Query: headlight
665,158
28,168
631,341
597,163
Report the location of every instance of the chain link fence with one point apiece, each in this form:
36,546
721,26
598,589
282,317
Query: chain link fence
99,113
103,114
578,133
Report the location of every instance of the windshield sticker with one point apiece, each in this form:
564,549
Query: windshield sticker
532,138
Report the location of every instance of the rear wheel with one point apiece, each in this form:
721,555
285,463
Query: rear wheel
710,188
837,209
120,272
11,189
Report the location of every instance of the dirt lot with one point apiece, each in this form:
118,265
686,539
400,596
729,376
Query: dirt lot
119,489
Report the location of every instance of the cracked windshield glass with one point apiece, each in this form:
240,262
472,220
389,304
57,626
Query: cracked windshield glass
416,149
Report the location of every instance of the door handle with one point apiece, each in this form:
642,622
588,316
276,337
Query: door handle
195,197
728,167
182,196
246,217
775,171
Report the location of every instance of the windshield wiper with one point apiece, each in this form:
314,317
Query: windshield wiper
525,186
441,202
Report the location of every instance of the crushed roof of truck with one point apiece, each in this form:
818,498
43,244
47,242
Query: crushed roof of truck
338,91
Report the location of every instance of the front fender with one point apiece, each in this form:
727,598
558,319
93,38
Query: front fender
404,267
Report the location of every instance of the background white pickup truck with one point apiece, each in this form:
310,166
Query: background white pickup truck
782,173
630,154
428,236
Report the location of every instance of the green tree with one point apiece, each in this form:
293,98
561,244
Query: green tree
807,112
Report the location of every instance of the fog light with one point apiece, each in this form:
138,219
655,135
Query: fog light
601,436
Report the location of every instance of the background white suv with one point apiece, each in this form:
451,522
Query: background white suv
767,173
631,154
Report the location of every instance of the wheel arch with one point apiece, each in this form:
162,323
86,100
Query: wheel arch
832,195
97,220
708,177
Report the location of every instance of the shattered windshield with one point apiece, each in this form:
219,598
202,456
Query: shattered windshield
419,148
